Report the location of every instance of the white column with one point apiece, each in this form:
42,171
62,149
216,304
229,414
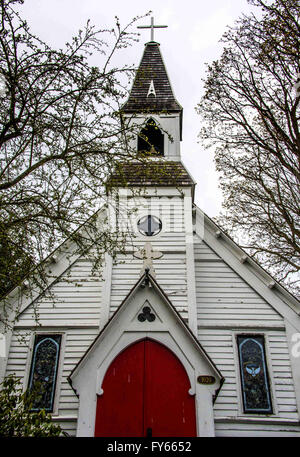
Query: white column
190,262
204,411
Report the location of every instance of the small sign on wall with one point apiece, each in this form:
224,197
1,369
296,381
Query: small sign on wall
206,379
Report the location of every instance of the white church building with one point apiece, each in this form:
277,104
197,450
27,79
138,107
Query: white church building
183,334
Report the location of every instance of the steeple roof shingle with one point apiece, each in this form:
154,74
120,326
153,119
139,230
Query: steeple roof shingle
151,68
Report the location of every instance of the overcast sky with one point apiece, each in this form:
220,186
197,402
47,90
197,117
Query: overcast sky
191,40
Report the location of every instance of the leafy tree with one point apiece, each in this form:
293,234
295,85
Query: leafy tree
250,112
61,133
16,416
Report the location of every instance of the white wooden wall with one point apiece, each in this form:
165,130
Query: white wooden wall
76,314
170,269
227,306
79,309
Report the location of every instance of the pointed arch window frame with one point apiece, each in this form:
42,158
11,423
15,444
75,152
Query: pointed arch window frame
147,122
259,339
40,338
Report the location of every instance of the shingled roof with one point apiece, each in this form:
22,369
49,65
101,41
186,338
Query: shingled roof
151,68
152,173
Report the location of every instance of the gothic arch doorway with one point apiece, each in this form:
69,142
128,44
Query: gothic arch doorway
145,393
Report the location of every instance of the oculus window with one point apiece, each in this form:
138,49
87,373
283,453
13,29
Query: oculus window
149,225
151,139
43,372
254,375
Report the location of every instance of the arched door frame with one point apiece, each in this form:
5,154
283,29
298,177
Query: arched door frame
129,338
162,343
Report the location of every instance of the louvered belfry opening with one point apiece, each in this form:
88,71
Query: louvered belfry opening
151,139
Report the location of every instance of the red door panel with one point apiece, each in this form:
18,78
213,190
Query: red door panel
169,410
145,390
120,407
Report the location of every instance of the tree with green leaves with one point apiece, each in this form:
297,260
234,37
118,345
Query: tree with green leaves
17,417
250,114
61,133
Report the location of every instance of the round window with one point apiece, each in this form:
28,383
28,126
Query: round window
149,225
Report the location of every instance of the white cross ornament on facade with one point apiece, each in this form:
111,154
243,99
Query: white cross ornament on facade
148,255
152,27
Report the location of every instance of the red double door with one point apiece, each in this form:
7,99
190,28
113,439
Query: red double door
145,393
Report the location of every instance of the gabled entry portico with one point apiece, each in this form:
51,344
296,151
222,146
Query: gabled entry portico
146,393
140,375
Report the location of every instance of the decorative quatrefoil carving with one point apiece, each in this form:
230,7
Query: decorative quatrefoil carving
146,315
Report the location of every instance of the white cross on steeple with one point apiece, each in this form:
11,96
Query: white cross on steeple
152,27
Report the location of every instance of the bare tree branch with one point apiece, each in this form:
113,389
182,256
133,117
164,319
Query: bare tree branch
250,113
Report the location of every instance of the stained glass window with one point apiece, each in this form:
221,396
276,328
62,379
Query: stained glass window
254,375
43,371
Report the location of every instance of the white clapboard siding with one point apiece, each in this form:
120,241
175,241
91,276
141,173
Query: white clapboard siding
68,426
223,297
18,354
219,344
74,299
75,344
203,252
169,209
170,269
77,341
238,429
73,309
170,274
225,302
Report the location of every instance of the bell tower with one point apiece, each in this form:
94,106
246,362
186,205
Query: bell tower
153,106
157,190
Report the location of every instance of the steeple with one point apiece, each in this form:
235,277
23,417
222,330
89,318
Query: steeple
151,91
152,106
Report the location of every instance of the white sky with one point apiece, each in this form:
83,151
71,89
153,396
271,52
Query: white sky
191,39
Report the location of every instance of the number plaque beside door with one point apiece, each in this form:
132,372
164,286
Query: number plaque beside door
206,379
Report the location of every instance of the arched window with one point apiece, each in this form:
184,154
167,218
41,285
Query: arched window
254,375
43,371
151,139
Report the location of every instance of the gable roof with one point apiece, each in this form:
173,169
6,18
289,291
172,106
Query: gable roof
147,279
151,69
152,173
